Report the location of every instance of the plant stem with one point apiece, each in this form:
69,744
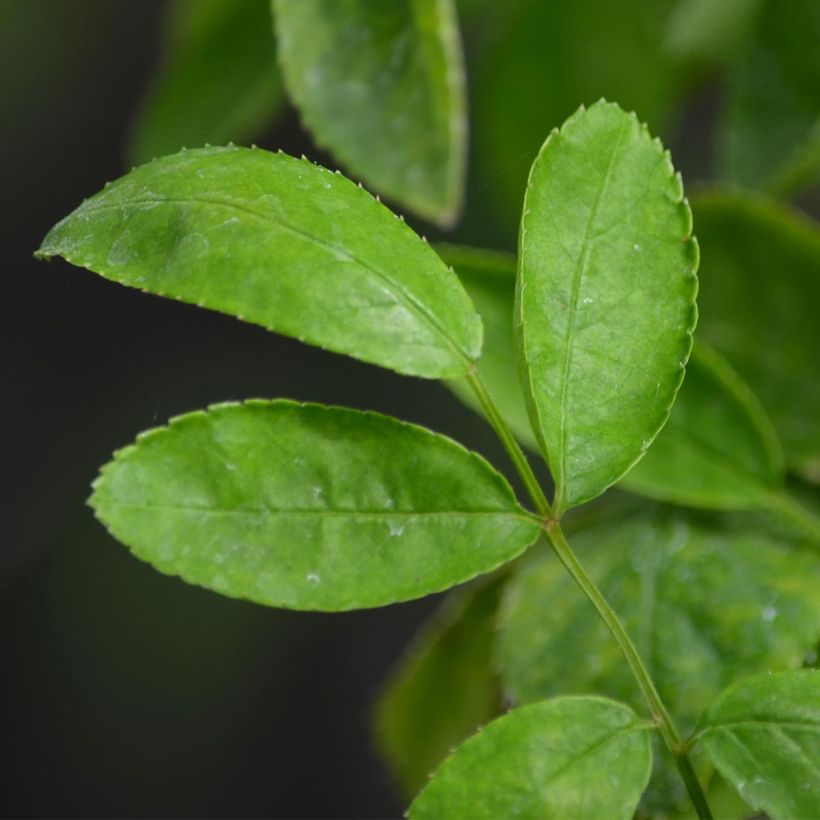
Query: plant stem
512,447
662,718
552,527
795,513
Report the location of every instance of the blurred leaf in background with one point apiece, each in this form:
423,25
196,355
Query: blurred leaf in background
218,81
770,136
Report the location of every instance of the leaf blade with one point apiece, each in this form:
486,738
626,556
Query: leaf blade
594,412
282,243
304,507
759,300
763,734
551,759
718,450
383,87
443,688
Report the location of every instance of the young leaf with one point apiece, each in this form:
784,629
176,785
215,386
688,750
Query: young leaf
282,243
444,688
489,279
763,734
759,302
718,449
382,86
576,757
309,507
705,602
771,132
218,82
605,304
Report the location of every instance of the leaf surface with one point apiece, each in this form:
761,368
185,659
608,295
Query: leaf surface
605,299
763,734
759,302
718,450
282,243
568,757
771,128
309,507
382,86
444,687
218,81
705,602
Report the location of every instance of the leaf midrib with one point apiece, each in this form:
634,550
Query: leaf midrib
578,274
405,297
337,513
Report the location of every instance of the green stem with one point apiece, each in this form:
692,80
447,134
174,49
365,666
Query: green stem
512,447
552,527
661,715
795,513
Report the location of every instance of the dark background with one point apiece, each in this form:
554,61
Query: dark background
123,692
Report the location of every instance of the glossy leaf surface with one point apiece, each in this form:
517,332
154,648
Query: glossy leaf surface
718,450
444,687
771,129
218,81
705,603
282,243
759,302
489,279
568,757
309,507
605,302
381,85
763,734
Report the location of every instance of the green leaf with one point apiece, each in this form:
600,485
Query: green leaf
382,86
309,507
282,243
718,449
576,757
763,734
489,279
444,687
771,130
605,304
218,81
530,63
705,602
759,302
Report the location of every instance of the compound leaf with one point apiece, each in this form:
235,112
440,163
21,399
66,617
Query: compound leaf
489,279
282,243
718,450
444,687
577,757
605,304
706,603
382,86
309,507
763,734
218,83
759,302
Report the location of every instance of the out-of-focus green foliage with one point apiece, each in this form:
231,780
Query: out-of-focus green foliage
218,81
771,121
381,85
